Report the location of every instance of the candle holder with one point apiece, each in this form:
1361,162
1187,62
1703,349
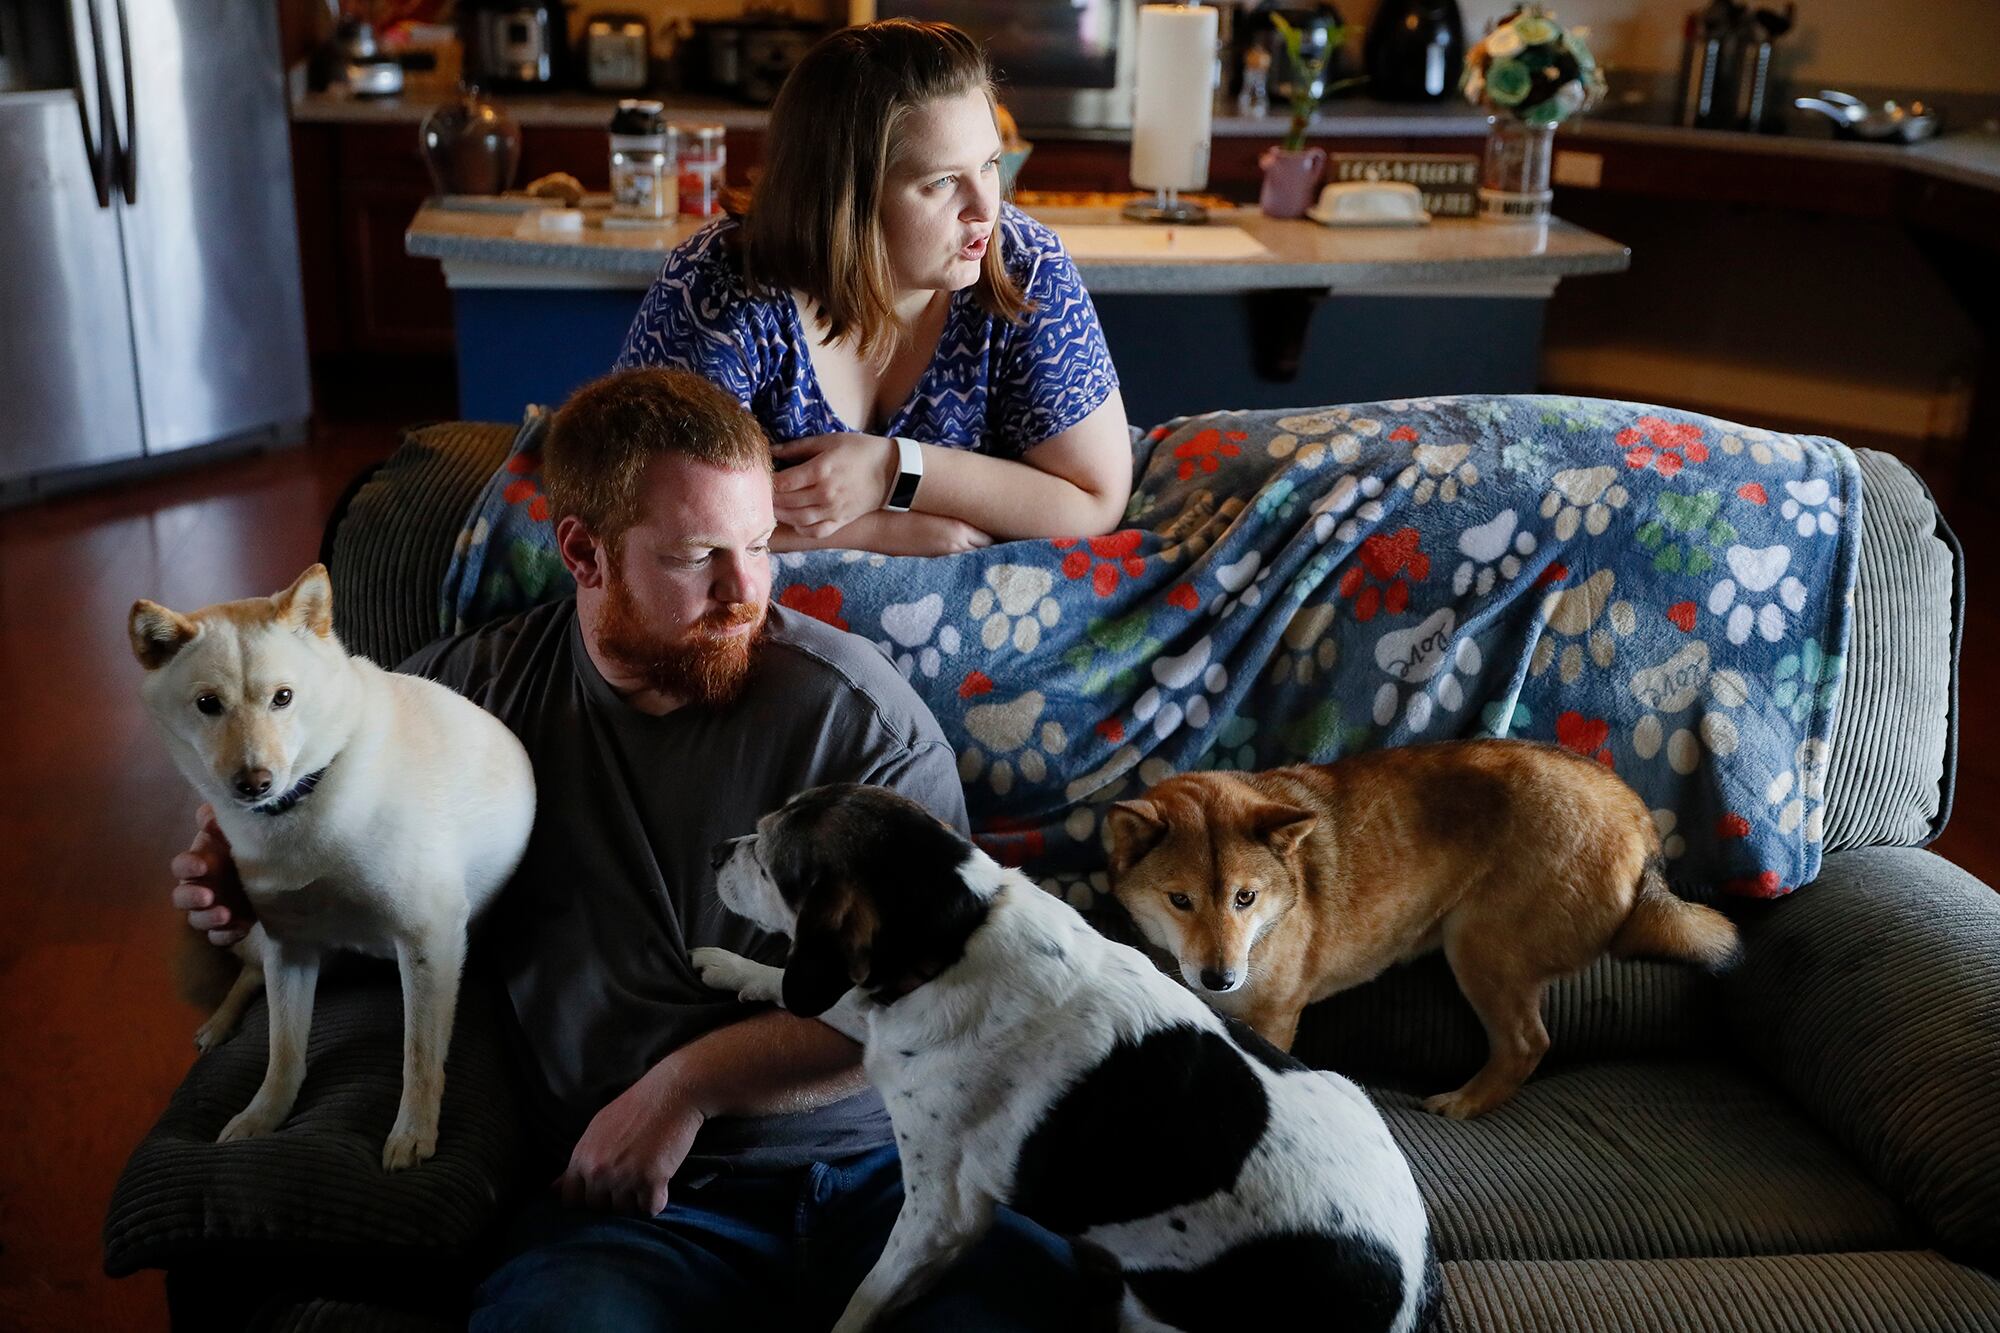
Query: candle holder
1165,206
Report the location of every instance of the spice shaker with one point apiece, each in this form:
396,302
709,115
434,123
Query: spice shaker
703,158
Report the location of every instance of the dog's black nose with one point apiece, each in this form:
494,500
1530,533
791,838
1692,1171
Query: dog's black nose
252,782
1215,979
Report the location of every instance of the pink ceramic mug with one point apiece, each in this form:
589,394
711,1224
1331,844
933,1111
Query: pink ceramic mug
1290,180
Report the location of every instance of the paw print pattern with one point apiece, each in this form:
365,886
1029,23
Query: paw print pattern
909,626
1575,613
1015,605
1386,565
1012,738
1687,527
1584,497
1279,500
1664,446
1344,432
1673,845
1344,495
1757,571
1103,559
1764,446
1199,525
1232,749
1426,658
1309,650
1205,449
1493,551
1798,792
1242,584
1671,689
1806,681
1191,670
1438,471
1812,507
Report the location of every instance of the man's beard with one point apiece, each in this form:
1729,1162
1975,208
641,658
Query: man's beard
701,665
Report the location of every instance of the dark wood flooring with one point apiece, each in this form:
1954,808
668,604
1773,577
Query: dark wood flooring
96,1036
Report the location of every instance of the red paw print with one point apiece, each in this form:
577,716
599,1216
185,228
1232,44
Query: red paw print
1585,735
1664,446
1385,559
1206,449
523,487
1102,558
1011,841
819,603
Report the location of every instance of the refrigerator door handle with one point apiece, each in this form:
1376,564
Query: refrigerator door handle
89,90
128,155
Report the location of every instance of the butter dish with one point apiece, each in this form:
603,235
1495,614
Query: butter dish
1370,204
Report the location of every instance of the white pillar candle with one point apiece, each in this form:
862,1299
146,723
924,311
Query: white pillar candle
1173,104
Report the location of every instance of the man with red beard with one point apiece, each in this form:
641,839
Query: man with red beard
712,1164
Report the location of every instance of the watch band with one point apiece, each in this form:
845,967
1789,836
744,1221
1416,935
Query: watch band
909,471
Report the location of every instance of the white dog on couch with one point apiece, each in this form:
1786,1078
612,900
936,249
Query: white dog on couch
1028,1061
365,810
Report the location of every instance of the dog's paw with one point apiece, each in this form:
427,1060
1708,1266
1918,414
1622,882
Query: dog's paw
214,1032
409,1143
722,970
1459,1105
253,1121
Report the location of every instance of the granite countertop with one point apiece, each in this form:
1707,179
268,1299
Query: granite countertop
1970,157
1133,258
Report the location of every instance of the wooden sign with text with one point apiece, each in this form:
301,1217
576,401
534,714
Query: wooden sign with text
1449,181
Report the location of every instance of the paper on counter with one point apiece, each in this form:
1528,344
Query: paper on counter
1141,241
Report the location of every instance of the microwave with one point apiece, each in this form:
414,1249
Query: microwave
1058,63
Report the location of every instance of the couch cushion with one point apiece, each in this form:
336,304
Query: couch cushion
1889,770
393,543
1413,1023
1890,1292
1657,1160
315,1190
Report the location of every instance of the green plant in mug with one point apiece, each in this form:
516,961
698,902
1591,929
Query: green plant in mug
1309,82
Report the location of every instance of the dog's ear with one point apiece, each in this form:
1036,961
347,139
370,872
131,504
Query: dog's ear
1282,826
157,633
1136,828
831,947
308,603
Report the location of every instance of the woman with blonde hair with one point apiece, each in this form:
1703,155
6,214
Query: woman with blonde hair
922,354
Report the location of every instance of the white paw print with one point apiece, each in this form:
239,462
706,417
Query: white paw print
1800,786
1812,507
1015,738
909,626
1672,845
1438,470
1309,454
1756,570
1424,657
1309,650
1327,520
1242,584
1673,687
1015,605
1573,613
1763,445
1158,708
1583,497
1493,550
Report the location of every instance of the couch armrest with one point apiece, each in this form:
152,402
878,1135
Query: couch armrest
1873,996
314,1194
393,540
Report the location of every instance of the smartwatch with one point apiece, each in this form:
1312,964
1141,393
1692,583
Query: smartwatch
909,471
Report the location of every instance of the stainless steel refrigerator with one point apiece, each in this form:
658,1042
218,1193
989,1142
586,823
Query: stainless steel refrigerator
149,263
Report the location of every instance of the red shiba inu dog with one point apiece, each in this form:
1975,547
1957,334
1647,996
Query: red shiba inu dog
1523,862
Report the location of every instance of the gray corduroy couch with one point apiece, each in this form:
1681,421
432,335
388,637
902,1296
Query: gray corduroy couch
1811,1143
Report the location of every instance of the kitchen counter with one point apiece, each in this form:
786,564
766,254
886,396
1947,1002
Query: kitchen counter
493,249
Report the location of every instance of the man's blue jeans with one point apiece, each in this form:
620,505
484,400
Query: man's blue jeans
767,1252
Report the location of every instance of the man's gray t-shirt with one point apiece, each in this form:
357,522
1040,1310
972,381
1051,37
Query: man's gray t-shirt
591,937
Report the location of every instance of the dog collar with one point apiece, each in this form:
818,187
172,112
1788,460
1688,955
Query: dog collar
277,805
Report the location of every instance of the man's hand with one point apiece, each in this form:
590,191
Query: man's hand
633,1147
208,888
892,534
834,480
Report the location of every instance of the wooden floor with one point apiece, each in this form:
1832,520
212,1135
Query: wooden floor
91,809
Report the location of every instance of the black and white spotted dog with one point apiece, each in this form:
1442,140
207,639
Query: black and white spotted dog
1028,1061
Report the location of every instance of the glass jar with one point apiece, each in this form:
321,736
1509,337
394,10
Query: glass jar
644,175
470,145
1514,178
704,157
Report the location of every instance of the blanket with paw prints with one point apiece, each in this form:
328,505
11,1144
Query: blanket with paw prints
1664,592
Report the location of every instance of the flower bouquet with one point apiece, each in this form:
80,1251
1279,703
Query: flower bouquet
1530,74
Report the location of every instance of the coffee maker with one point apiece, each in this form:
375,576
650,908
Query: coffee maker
518,45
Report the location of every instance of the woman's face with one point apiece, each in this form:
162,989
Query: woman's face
943,194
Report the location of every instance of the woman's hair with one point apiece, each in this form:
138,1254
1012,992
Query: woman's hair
601,440
814,222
